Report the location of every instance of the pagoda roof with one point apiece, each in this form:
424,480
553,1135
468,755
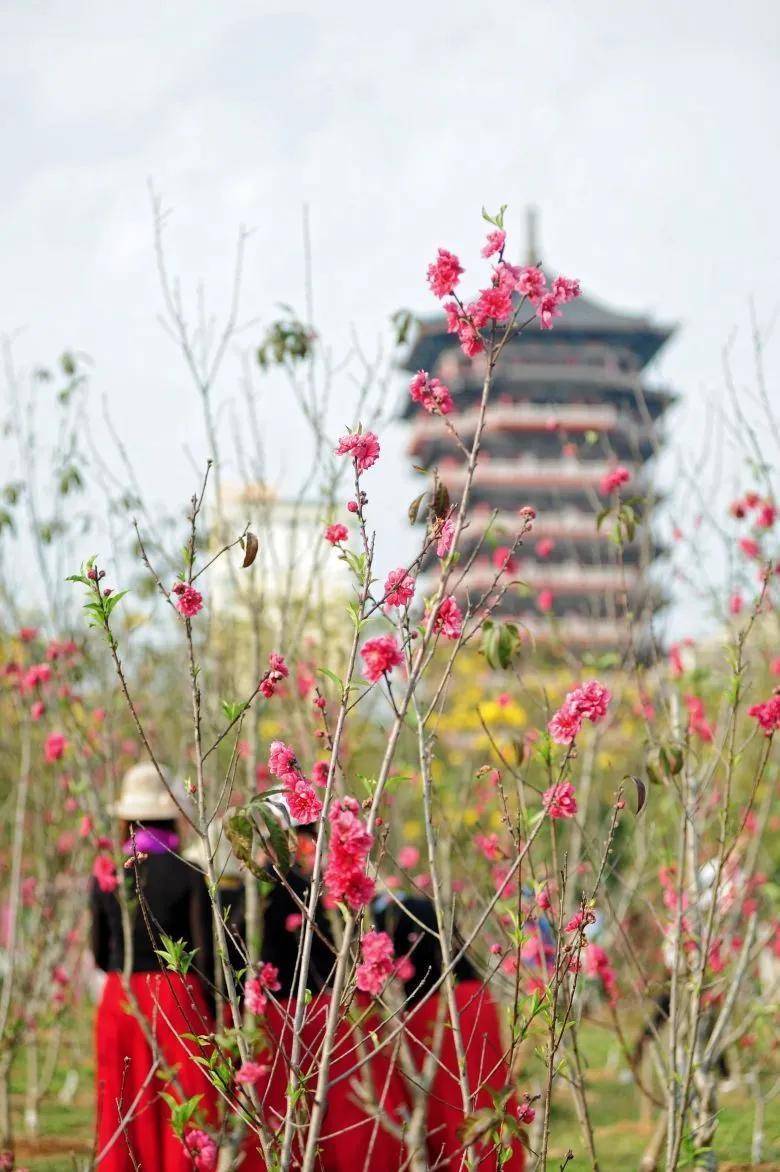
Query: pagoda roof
581,320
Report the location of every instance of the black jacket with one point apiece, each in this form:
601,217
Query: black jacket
280,944
173,900
279,938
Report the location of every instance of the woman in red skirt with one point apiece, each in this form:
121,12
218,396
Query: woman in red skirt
353,1136
413,929
142,1022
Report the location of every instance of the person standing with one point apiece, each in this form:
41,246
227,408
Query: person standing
147,1013
411,923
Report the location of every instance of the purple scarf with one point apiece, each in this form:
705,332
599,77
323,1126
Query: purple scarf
153,842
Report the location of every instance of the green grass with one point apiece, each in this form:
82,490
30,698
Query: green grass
622,1128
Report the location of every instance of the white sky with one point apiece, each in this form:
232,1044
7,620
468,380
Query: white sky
645,133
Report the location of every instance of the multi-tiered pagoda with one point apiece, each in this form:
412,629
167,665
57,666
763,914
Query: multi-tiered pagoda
568,405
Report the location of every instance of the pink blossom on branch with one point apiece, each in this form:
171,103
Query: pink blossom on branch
767,515
736,603
336,533
493,304
565,289
525,1112
565,725
597,964
444,273
592,699
305,806
350,843
281,760
408,857
399,588
377,964
446,537
589,701
54,747
258,987
545,600
489,845
37,674
104,873
319,773
188,600
380,656
449,620
250,1073
531,283
767,714
278,671
494,243
580,919
547,310
503,560
698,724
559,800
362,446
278,666
468,335
201,1149
613,480
432,394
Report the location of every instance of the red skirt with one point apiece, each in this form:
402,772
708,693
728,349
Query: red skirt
486,1068
351,1137
173,1006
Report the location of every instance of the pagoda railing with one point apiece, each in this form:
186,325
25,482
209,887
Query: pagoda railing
563,524
547,372
527,470
564,576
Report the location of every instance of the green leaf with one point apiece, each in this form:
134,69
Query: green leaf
240,834
353,609
501,642
112,601
440,501
181,1113
414,508
280,845
602,516
70,480
356,563
331,675
233,709
175,954
403,320
498,219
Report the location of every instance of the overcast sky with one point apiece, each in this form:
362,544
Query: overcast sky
645,133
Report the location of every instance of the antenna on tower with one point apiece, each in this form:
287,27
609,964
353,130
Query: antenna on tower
531,242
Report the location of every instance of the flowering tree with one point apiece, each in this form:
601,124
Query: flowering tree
589,835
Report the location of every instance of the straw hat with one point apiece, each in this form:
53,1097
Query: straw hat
143,796
226,864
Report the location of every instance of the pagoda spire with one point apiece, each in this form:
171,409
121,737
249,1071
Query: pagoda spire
532,256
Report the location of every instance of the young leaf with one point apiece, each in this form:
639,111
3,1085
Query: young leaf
233,709
414,508
641,793
251,546
279,843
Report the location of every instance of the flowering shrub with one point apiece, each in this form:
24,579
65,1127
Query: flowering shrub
582,829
